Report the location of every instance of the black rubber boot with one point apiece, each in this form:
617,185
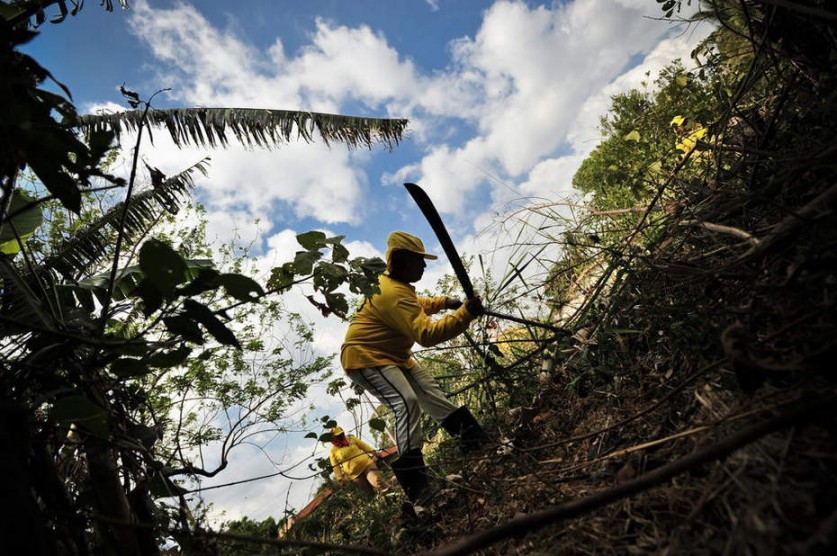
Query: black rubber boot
461,423
411,474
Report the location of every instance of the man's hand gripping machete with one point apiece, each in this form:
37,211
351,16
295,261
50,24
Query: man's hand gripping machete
426,206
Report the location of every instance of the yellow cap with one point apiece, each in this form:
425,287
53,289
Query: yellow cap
407,242
337,431
677,121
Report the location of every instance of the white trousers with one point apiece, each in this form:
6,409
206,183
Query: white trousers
406,392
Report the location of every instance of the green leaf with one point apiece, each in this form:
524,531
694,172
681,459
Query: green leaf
25,221
339,254
128,367
241,287
337,302
311,435
171,358
162,265
204,315
136,348
312,240
304,261
682,80
206,279
371,268
185,328
79,410
281,277
632,136
152,298
377,424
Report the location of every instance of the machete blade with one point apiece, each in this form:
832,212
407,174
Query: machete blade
432,215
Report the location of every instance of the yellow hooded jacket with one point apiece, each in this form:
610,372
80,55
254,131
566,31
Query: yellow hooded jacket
385,327
350,461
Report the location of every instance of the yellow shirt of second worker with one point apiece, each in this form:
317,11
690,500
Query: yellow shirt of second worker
350,461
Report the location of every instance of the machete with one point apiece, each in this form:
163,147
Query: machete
432,215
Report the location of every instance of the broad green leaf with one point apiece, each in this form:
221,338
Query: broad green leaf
171,358
25,221
241,287
682,80
152,297
128,367
81,411
206,279
339,254
162,265
184,327
135,348
304,261
204,315
312,240
337,302
281,277
129,278
14,246
311,435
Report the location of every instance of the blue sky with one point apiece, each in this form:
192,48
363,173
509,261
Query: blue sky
503,98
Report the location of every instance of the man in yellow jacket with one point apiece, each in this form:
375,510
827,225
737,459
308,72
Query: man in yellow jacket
352,459
377,356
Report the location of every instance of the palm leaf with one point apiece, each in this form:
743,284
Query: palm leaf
214,127
80,252
20,304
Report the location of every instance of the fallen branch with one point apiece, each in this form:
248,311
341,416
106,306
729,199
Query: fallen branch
802,411
721,229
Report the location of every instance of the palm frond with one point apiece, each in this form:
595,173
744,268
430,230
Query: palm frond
20,304
253,127
80,252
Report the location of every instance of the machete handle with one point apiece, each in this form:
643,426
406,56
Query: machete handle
520,320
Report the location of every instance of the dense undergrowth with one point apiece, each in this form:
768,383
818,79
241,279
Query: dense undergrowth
692,411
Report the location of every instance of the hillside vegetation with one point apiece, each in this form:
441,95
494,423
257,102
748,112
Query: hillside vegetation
692,410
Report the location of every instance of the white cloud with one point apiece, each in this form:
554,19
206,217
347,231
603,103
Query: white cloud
342,62
535,67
